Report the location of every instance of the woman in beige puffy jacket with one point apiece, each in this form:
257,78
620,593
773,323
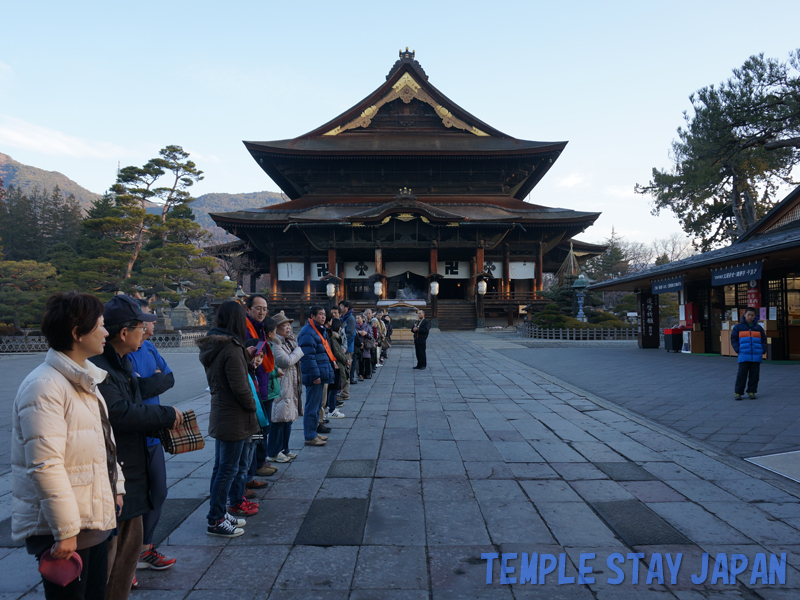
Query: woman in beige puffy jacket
66,481
289,406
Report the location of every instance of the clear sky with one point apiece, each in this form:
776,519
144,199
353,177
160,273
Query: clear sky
85,85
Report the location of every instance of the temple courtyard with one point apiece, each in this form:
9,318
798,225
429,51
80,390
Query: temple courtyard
603,459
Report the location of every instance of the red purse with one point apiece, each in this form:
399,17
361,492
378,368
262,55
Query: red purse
60,571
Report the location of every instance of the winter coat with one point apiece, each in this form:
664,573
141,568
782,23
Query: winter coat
289,406
365,353
262,375
233,407
59,459
132,420
349,331
749,341
423,328
338,351
315,363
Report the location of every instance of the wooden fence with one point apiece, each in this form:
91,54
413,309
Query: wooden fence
593,334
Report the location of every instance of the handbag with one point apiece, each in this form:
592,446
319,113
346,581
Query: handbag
369,343
60,571
186,438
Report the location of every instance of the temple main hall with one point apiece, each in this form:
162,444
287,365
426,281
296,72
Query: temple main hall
407,198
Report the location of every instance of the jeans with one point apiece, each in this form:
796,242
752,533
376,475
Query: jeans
333,395
355,368
278,440
91,584
238,487
311,410
157,477
123,555
227,457
753,369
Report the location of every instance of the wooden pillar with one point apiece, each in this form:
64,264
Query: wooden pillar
480,261
539,275
253,279
332,271
471,280
273,272
379,268
434,260
307,275
506,288
343,291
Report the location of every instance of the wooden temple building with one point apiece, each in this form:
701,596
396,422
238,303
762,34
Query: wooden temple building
406,188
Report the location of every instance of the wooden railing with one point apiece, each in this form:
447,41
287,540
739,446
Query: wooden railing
592,334
516,297
297,297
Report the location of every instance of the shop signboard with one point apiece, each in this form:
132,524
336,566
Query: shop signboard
648,329
663,286
754,297
736,274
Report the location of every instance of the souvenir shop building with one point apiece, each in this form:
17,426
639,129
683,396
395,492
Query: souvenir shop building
403,191
760,269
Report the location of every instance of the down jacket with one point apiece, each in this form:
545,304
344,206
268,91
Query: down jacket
315,363
233,408
749,341
60,479
289,406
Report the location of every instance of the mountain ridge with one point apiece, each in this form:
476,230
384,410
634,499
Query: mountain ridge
26,177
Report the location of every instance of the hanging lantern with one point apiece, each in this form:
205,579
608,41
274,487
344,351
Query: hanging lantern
331,290
378,288
434,288
482,287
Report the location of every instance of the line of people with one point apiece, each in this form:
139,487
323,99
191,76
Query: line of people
256,370
89,473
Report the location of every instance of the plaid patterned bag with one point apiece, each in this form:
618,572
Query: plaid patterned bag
185,438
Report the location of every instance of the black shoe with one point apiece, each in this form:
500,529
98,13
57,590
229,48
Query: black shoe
323,429
338,404
417,367
422,368
325,421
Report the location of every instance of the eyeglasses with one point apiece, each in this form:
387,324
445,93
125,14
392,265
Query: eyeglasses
143,328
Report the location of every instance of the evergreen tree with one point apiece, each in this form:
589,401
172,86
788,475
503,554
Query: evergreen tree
24,289
739,146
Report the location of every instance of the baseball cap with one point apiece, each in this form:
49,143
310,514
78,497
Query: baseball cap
124,308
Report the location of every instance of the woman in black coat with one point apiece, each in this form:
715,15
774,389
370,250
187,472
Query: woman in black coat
233,419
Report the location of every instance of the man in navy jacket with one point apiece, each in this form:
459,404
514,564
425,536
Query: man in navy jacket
317,370
749,340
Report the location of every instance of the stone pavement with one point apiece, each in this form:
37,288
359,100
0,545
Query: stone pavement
690,393
478,454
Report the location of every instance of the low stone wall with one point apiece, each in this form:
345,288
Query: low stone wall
166,342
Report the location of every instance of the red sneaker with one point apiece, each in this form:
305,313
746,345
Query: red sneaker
134,583
243,509
253,505
153,559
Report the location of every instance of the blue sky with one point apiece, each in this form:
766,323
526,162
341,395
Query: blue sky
85,85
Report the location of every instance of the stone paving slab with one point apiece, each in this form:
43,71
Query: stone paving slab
478,454
690,393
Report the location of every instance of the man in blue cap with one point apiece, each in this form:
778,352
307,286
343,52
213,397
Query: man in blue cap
131,420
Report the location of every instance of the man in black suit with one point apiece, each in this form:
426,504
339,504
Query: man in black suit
421,329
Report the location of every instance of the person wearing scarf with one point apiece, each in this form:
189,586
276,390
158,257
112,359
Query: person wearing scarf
316,366
257,312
